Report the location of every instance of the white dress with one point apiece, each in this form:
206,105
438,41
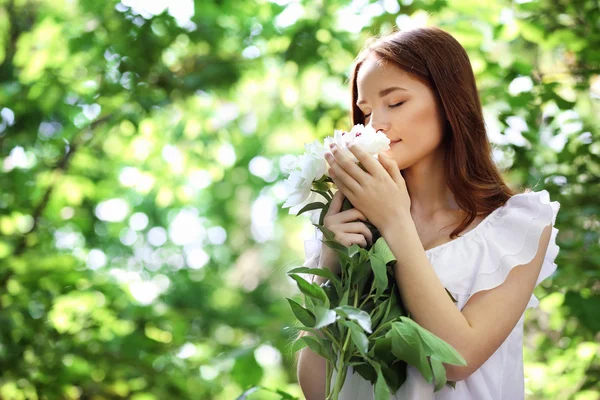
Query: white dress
479,260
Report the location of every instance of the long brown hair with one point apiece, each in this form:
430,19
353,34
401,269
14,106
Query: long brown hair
435,57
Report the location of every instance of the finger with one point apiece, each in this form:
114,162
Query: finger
336,203
359,227
357,238
355,227
352,215
368,161
342,178
341,186
368,234
343,157
391,167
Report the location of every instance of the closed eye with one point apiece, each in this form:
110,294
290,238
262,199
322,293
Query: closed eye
391,106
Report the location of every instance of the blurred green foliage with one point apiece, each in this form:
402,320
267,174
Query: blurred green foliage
143,249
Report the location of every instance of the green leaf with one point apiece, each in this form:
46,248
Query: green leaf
248,392
311,206
315,345
321,186
439,373
358,337
380,310
382,249
380,272
339,248
324,317
306,317
246,371
344,299
322,193
365,370
324,272
327,234
353,250
361,317
298,345
311,289
285,395
382,350
382,392
452,297
407,346
435,346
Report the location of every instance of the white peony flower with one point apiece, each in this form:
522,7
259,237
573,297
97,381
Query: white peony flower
312,165
340,138
289,163
369,140
297,188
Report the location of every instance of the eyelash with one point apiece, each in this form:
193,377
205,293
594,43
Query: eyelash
392,106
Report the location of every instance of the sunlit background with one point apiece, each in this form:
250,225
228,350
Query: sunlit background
143,247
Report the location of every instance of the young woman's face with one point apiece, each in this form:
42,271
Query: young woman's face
402,107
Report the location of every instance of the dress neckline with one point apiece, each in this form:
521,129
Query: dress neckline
466,234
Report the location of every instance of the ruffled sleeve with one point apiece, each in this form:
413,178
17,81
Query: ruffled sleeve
511,238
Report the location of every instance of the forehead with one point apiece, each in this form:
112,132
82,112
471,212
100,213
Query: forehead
374,68
375,74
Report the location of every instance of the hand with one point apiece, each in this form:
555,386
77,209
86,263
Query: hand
347,230
380,192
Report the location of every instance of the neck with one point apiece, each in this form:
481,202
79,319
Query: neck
427,185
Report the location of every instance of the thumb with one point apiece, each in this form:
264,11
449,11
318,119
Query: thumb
336,203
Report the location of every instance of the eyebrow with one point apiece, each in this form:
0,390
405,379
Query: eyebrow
384,92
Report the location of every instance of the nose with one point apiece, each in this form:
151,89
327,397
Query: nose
379,125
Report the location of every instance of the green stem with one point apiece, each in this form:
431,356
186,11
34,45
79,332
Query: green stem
342,367
330,336
364,301
329,374
380,327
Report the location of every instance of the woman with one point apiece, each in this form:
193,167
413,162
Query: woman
438,180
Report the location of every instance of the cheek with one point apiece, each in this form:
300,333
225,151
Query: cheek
420,125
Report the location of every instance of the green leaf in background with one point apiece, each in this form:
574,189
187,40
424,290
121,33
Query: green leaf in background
156,265
254,389
246,371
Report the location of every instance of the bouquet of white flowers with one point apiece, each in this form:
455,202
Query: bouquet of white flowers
357,317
